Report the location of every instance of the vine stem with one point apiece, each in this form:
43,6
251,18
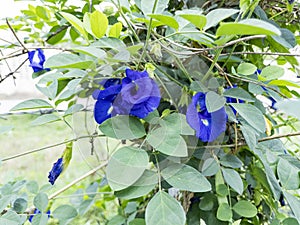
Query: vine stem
16,36
148,35
89,173
49,146
261,53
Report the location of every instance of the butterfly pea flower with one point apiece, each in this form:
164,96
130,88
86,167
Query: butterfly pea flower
208,125
291,1
37,59
61,164
233,100
105,99
136,94
36,211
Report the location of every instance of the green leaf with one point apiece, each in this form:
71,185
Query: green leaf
4,202
208,201
123,127
214,101
290,107
271,73
252,115
147,6
246,69
99,23
186,178
40,219
92,51
32,187
73,109
66,60
117,220
43,119
141,187
210,167
64,212
137,221
125,167
165,20
294,204
49,89
164,210
233,179
290,221
224,212
42,12
115,30
248,27
245,209
288,175
231,161
32,104
40,201
20,205
198,20
167,143
176,123
56,34
10,218
283,83
76,23
238,93
217,15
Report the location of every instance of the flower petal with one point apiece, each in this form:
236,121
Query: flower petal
102,110
56,170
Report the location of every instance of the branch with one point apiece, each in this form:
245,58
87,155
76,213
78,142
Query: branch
50,146
91,172
279,136
14,33
13,72
261,53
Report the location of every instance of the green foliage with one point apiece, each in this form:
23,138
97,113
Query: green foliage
155,170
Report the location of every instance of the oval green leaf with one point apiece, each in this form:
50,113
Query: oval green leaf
186,178
248,27
123,127
233,179
99,23
245,209
252,115
125,167
198,20
165,20
164,210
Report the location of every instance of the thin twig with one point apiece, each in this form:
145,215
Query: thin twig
16,36
279,136
49,146
91,172
13,72
261,53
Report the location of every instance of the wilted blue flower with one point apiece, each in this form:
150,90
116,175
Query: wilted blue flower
61,164
208,126
37,59
291,1
56,170
136,94
36,211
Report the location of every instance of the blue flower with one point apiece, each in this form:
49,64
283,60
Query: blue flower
136,94
291,1
105,99
233,100
37,59
36,211
56,170
208,126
